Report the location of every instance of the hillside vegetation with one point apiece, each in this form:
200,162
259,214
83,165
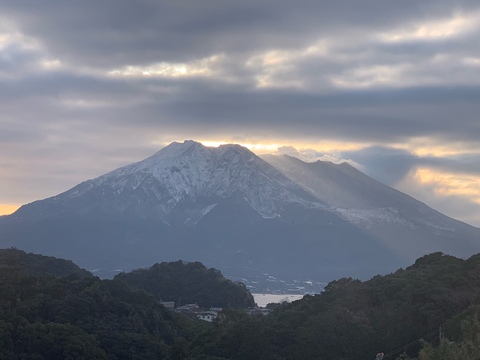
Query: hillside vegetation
32,264
51,309
427,311
189,283
74,317
354,320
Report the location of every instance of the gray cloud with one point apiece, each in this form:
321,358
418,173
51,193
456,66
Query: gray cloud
397,168
391,165
306,71
468,164
461,207
122,32
387,165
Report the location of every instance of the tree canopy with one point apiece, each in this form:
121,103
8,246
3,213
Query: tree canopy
48,316
189,282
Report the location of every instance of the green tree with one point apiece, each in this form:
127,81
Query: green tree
468,348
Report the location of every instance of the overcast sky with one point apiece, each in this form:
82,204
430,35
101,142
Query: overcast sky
391,86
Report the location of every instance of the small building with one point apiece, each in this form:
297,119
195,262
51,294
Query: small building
170,305
189,308
208,316
257,311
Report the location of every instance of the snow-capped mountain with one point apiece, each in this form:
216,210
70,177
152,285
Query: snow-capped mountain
358,198
238,212
181,173
405,225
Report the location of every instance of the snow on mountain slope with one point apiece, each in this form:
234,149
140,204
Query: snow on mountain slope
231,209
186,172
358,198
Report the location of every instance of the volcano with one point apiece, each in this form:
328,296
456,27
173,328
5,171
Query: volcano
240,213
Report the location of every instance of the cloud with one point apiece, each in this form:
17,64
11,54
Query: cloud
452,199
467,163
385,164
310,155
449,184
115,80
123,33
392,165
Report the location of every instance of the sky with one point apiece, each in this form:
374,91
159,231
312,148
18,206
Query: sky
392,87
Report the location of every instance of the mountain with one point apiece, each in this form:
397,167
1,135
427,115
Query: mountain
237,212
378,209
435,299
181,182
81,317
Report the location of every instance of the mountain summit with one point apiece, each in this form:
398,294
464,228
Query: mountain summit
231,209
180,175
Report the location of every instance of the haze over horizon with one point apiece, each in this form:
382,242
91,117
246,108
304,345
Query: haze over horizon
392,88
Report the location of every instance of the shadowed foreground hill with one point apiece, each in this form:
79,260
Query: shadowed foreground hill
80,317
47,317
354,320
189,283
32,264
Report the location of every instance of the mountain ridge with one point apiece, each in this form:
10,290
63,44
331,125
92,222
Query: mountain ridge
342,192
186,171
240,213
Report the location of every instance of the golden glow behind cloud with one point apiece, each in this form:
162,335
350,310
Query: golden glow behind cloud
445,183
269,147
201,67
256,148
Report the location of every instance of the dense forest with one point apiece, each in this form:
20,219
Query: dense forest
51,309
189,283
63,314
397,313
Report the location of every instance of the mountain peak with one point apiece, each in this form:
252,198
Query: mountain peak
179,149
175,148
227,206
192,173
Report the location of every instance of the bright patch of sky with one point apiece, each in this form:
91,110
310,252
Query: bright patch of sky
203,67
448,183
435,29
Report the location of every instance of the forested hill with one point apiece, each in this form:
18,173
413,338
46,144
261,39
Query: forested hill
189,282
33,264
81,317
354,320
51,317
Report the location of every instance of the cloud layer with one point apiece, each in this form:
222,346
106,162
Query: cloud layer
393,87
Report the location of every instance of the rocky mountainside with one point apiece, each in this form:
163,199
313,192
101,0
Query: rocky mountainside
239,213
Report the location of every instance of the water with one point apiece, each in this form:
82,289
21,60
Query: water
263,299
